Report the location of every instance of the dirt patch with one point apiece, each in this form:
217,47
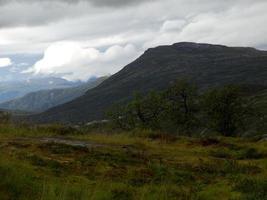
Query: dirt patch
55,140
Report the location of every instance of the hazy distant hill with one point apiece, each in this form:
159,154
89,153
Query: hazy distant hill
207,65
14,89
45,99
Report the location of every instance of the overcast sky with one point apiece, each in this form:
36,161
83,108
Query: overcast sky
77,39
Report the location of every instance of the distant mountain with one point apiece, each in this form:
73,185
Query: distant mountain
45,99
14,89
205,64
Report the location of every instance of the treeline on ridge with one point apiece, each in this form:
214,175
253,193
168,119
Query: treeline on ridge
182,109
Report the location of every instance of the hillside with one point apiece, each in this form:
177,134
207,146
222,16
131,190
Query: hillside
206,65
45,99
38,163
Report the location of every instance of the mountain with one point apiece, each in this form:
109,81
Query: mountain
42,100
205,64
15,89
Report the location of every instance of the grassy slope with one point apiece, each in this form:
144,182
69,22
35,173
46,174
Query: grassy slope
127,166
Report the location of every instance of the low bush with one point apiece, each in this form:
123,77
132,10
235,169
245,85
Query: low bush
250,153
241,153
252,188
59,129
226,166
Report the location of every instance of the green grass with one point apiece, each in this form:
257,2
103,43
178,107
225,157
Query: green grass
125,166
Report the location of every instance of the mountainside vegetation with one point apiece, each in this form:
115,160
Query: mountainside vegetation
205,65
183,110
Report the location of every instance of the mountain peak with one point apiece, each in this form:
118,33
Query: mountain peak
187,47
196,45
201,48
206,64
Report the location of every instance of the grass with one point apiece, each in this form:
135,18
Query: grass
125,166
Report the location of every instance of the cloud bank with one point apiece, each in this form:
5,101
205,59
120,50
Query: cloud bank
62,58
76,37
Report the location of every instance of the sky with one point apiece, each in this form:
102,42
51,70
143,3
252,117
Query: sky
79,39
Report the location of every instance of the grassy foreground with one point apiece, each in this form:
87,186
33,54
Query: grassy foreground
128,166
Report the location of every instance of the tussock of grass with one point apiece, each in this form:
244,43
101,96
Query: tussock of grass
252,188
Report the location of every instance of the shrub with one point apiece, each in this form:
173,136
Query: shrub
221,153
226,110
173,110
58,129
250,153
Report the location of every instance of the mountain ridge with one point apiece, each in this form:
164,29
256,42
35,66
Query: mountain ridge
204,64
44,99
15,89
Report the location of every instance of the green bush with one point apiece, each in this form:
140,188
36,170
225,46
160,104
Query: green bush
226,110
181,110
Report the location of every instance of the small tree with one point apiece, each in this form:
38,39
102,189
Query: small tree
226,110
259,120
120,117
182,106
141,112
147,110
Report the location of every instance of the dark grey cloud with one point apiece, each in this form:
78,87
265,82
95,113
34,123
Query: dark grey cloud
39,12
118,26
108,3
117,3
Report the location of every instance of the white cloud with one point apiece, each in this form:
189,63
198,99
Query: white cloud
73,61
172,25
240,25
5,62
